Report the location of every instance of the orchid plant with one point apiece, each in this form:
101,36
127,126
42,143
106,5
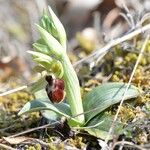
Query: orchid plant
50,54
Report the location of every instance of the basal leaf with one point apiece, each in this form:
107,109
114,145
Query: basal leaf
61,109
98,133
48,114
51,115
38,104
105,120
104,96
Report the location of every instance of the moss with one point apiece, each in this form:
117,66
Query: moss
31,148
15,101
61,146
127,114
143,100
142,138
115,77
11,104
77,142
51,146
38,147
124,64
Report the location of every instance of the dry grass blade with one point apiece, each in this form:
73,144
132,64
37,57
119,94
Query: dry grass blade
23,139
128,17
123,97
13,90
33,129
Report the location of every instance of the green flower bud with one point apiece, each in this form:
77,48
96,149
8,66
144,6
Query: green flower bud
61,34
54,46
52,25
40,46
57,69
47,24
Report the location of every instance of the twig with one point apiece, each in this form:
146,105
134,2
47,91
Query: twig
95,55
128,17
6,147
37,141
11,126
128,143
3,130
123,98
33,129
14,90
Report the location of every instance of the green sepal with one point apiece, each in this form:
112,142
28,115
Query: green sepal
42,59
43,48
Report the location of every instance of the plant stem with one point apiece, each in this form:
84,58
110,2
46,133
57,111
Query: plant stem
72,89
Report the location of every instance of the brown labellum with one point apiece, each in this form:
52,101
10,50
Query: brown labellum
55,89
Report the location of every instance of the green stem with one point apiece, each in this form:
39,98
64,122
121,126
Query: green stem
72,89
70,78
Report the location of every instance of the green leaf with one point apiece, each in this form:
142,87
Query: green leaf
101,131
51,115
38,105
105,96
48,114
98,133
52,43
